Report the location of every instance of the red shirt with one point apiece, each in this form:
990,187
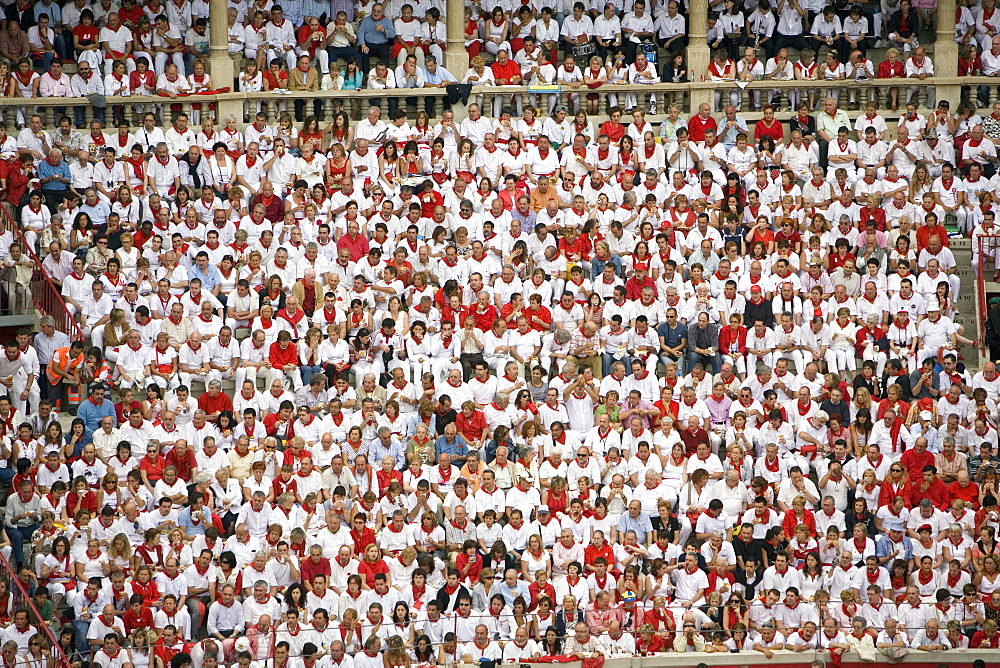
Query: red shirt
887,70
310,570
122,411
968,494
132,621
154,470
697,126
475,564
614,131
914,463
507,72
591,553
362,540
280,357
580,247
471,429
776,131
542,314
791,521
925,232
186,463
368,570
220,403
484,320
979,640
937,492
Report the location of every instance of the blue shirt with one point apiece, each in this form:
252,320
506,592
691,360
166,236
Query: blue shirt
53,11
440,76
520,589
458,448
98,213
292,11
191,529
727,135
46,169
884,546
640,526
368,35
527,221
91,414
209,279
376,451
672,336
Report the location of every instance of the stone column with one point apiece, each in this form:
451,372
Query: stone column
698,52
456,57
219,60
946,53
220,65
945,47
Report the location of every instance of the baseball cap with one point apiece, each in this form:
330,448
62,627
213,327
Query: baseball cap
756,288
543,509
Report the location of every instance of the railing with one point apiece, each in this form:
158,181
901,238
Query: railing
41,293
755,659
21,599
985,254
688,95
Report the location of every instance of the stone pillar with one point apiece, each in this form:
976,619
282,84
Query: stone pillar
946,53
456,57
698,52
220,65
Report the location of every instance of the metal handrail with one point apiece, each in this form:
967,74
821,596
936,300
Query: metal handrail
54,304
986,244
761,84
21,600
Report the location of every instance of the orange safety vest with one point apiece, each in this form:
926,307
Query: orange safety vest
61,359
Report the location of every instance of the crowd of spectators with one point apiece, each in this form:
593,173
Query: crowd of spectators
535,382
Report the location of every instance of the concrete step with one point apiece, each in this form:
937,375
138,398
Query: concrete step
968,298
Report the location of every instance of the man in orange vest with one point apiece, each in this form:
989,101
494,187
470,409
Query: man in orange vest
63,371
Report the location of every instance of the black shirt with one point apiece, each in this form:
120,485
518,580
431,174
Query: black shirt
841,408
752,550
750,583
754,312
874,386
770,550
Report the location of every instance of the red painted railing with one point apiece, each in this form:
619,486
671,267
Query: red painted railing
21,600
45,294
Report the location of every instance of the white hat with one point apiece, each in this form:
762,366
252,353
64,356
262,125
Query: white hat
242,644
926,415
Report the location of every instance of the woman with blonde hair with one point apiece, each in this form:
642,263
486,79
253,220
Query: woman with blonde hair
310,362
594,77
140,647
119,555
921,182
421,445
178,549
38,654
114,334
